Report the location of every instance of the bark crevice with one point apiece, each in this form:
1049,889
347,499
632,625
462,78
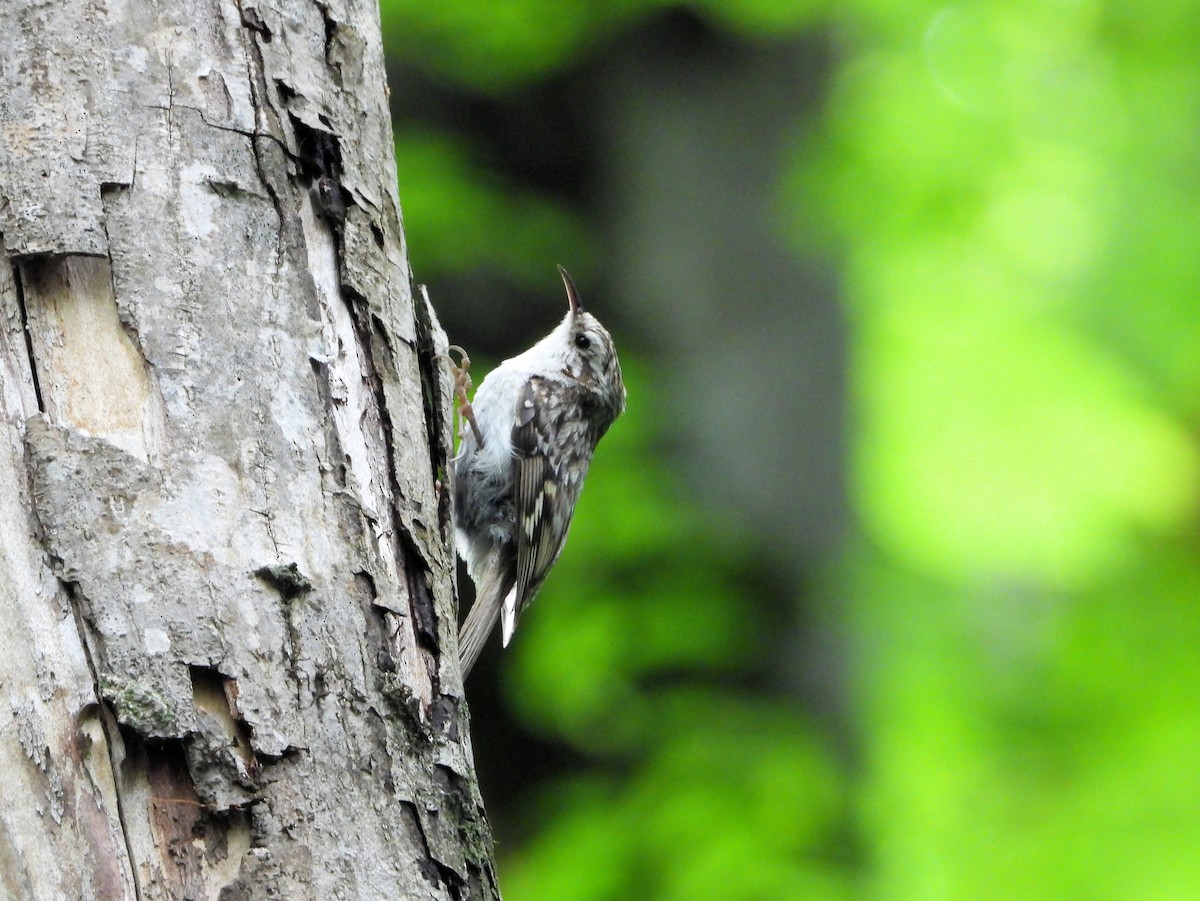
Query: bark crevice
19,288
112,741
265,109
437,402
110,731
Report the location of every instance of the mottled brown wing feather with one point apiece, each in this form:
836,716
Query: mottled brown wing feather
531,513
551,453
539,542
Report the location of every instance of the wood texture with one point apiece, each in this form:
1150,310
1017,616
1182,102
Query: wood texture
226,583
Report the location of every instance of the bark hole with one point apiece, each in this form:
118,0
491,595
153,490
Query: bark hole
254,22
320,159
200,848
318,151
216,695
420,594
381,634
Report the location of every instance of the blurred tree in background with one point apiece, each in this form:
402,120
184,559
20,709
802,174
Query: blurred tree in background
887,585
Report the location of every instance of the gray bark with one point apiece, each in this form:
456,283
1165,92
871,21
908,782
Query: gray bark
227,609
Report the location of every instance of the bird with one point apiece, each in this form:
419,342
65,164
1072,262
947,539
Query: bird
526,441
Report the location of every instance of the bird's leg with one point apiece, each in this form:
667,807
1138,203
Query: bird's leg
462,384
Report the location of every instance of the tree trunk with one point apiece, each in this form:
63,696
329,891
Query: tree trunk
226,584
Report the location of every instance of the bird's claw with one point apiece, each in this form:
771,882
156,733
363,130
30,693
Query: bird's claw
463,384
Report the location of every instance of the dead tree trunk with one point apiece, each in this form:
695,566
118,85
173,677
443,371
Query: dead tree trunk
226,598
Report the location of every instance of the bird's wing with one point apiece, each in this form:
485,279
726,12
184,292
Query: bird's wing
542,515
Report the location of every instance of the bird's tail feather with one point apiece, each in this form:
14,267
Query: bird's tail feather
489,595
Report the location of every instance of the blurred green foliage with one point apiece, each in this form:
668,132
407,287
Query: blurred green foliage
488,224
695,780
1010,193
495,46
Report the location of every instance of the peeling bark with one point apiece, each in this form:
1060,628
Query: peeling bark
226,580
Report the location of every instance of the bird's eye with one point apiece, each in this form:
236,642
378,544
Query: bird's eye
583,342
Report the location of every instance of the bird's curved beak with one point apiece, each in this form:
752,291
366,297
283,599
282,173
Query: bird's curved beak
572,294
